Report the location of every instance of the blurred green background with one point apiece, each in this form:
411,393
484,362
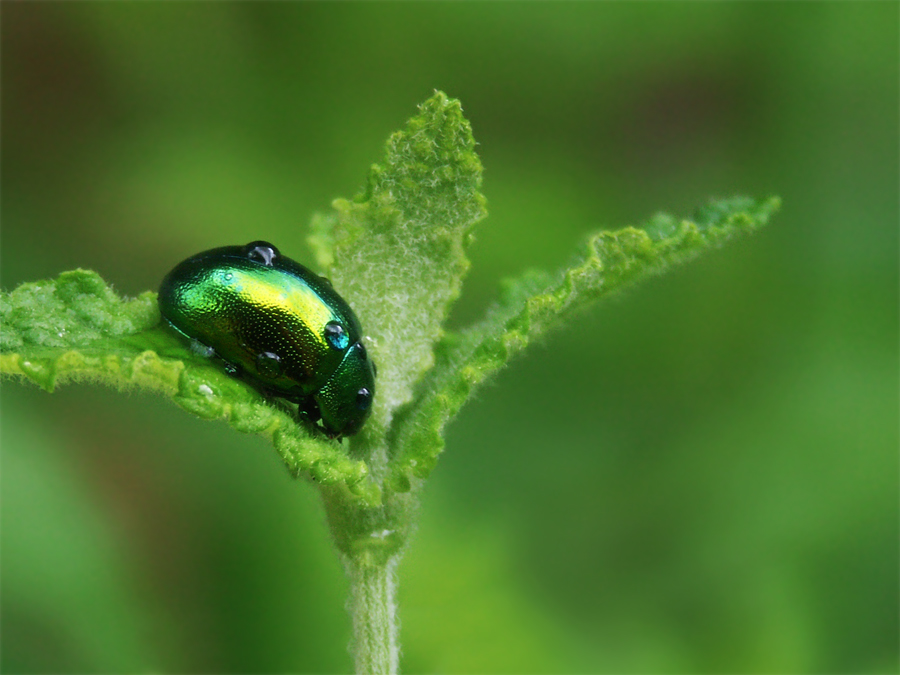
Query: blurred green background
700,477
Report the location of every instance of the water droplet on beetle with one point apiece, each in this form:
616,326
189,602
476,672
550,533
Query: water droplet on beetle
361,348
261,252
268,364
336,336
229,276
363,399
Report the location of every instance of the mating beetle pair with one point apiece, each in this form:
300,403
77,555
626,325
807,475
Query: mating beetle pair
278,325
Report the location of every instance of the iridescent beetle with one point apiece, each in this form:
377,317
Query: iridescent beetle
278,325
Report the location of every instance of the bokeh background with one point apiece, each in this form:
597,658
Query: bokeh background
728,433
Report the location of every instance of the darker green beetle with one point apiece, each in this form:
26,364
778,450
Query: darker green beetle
278,325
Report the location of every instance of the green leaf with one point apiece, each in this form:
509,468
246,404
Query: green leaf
397,254
76,328
77,308
538,302
397,251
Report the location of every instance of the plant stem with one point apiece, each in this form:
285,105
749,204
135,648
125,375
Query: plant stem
373,607
371,541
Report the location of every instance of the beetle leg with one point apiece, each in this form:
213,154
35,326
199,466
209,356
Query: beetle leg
308,410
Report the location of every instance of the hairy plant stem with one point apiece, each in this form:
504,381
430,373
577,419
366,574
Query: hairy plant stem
371,542
373,608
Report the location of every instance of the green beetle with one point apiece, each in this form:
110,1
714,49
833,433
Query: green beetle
277,325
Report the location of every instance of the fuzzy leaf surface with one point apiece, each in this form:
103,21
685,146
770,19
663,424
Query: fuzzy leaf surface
397,251
76,328
538,302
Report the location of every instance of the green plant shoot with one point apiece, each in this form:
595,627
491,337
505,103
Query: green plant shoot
397,254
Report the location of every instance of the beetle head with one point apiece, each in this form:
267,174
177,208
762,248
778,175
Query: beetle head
345,400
